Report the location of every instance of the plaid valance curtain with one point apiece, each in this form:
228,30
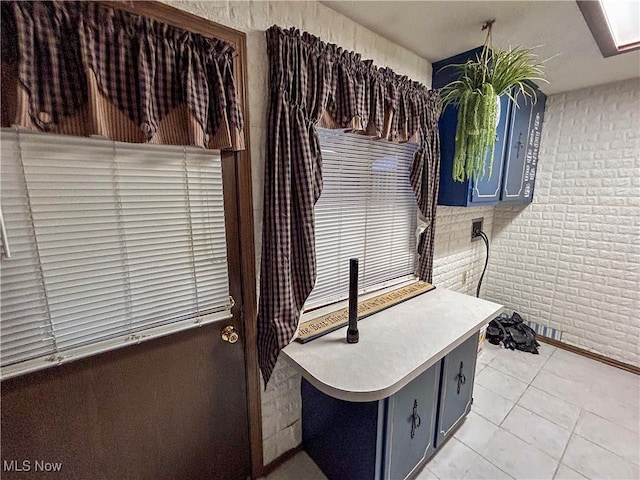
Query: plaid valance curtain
318,84
84,69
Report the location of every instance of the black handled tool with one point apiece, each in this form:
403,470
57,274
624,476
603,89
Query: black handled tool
352,332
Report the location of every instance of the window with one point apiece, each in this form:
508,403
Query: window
367,210
614,24
111,243
623,20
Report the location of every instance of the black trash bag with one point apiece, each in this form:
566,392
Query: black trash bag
512,333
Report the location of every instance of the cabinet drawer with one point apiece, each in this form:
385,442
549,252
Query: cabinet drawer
410,425
458,370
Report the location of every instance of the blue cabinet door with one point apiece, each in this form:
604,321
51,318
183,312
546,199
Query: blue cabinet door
451,193
410,425
486,190
522,150
456,390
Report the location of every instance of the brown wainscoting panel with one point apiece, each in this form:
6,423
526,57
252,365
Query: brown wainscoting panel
586,353
154,411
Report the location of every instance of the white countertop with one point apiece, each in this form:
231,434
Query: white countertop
396,345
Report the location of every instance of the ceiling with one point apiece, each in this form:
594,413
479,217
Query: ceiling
439,29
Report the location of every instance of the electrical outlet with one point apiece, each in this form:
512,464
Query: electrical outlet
476,228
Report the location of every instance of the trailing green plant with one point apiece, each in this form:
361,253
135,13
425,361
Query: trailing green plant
475,92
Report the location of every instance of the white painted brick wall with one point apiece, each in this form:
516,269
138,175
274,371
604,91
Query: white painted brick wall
571,260
458,261
281,412
281,401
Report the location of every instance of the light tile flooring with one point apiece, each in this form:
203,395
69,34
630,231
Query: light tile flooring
556,415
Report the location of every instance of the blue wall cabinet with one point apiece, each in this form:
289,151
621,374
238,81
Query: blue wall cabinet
511,180
391,438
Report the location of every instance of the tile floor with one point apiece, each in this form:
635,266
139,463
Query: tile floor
556,415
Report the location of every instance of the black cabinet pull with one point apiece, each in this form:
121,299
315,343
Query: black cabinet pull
461,378
415,418
519,145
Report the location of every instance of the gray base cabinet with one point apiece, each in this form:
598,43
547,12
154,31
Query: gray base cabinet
456,390
410,423
394,437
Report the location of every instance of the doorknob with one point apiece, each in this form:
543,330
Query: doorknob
229,334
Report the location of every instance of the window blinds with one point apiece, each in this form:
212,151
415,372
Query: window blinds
367,210
111,243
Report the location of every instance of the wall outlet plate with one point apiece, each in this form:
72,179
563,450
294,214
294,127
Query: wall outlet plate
476,226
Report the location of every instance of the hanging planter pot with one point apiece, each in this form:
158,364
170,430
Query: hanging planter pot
476,93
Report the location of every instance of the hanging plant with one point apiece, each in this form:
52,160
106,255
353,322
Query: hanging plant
475,92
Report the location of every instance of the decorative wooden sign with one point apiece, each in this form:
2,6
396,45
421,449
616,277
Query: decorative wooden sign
320,326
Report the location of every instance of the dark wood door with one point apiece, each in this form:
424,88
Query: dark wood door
170,408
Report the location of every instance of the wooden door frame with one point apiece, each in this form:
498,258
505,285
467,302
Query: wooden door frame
238,186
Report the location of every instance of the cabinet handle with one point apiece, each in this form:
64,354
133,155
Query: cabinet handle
415,418
520,145
461,378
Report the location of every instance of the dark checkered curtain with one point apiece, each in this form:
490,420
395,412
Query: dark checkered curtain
317,84
425,173
84,69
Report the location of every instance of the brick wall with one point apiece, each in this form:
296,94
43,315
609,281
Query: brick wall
281,400
571,260
458,261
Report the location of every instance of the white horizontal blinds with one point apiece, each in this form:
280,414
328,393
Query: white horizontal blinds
75,211
391,214
173,226
367,210
208,236
25,329
128,237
